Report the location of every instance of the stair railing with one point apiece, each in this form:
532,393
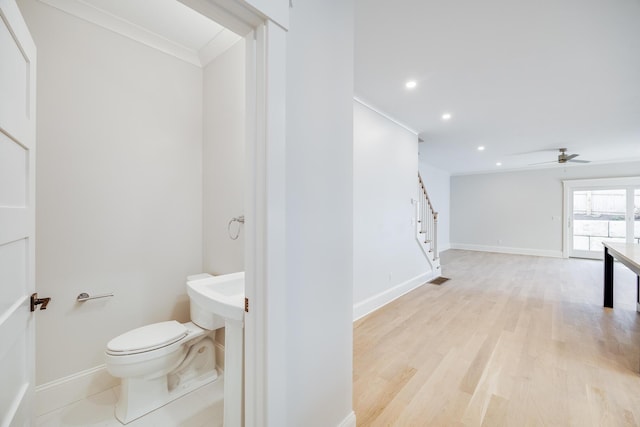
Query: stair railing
428,220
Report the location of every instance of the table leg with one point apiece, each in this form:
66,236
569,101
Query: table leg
638,293
608,279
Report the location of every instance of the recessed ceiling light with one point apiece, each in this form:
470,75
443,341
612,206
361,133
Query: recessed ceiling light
446,116
411,84
499,164
481,148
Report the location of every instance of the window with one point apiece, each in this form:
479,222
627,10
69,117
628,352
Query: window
596,211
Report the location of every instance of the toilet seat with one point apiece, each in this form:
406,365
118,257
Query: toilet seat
147,338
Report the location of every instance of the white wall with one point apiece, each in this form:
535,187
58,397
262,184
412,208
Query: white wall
119,186
319,177
223,160
387,257
438,183
518,212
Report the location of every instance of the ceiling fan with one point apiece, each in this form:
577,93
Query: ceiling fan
563,157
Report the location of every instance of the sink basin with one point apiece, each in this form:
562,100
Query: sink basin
221,296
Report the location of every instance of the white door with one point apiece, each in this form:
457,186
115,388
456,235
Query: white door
17,216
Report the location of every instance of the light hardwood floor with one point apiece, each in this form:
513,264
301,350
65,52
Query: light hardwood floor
508,341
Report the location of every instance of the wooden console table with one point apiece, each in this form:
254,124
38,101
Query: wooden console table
629,255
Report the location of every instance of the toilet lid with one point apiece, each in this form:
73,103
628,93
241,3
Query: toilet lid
148,337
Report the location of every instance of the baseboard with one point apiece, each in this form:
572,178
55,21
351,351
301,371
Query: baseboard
373,303
64,391
350,421
507,250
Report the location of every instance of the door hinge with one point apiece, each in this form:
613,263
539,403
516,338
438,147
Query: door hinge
246,304
35,301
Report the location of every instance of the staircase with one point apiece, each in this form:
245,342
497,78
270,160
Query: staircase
427,227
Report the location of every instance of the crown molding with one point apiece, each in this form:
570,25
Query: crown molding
217,46
385,115
118,25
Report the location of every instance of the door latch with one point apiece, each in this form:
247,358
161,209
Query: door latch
37,301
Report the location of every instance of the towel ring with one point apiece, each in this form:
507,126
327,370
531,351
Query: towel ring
239,220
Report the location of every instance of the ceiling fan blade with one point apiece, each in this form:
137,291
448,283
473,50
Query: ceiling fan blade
571,156
543,163
579,161
544,150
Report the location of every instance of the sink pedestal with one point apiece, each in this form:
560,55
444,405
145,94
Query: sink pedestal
233,375
217,301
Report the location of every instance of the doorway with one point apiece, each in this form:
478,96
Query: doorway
597,211
131,158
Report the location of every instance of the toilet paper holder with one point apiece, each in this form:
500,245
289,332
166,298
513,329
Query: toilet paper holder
86,297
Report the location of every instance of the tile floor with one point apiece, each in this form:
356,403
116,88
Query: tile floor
200,408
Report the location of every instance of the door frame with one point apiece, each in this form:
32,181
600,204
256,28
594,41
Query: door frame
569,186
264,340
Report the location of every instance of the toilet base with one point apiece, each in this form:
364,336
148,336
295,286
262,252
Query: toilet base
139,397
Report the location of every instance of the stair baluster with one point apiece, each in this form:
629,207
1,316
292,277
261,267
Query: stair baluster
427,217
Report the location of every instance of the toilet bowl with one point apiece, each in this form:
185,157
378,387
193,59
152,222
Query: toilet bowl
159,363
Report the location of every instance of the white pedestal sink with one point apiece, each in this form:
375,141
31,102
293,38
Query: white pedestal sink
218,301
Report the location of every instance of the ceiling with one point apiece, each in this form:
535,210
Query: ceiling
518,77
168,26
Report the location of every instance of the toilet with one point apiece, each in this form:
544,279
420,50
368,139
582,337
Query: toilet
159,363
